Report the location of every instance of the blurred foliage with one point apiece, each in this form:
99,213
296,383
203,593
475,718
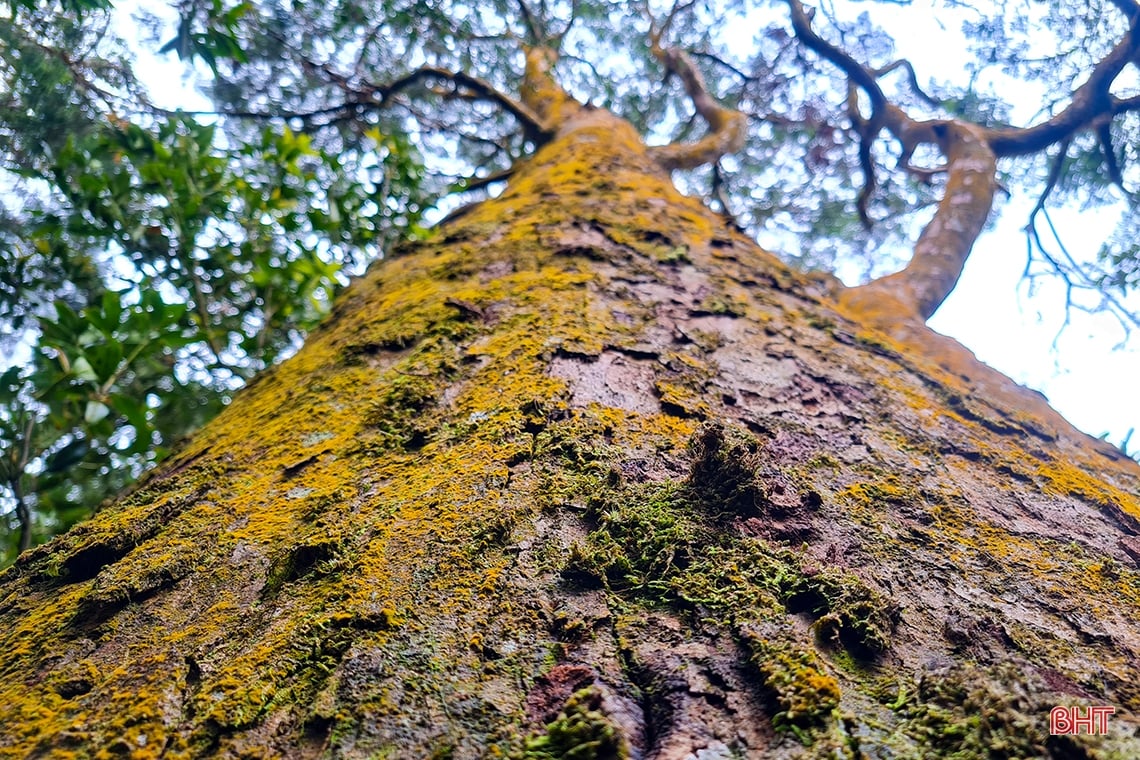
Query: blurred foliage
151,261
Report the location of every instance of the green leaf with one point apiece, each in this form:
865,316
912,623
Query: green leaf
82,369
105,359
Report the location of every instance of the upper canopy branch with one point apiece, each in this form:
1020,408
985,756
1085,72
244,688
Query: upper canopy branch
363,95
466,86
944,245
727,127
859,74
971,151
859,77
1090,103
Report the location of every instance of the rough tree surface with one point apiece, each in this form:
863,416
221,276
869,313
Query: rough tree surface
590,475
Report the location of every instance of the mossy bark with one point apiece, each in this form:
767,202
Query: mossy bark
590,475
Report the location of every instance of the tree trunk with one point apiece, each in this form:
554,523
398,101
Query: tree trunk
590,475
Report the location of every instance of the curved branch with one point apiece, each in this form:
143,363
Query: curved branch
911,78
855,71
725,64
532,122
868,130
532,26
543,96
858,76
945,243
727,127
1125,105
1090,100
1050,181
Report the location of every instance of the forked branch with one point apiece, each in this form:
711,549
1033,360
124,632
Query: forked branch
945,243
971,151
971,167
361,96
727,127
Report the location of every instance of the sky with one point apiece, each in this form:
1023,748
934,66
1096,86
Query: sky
1083,370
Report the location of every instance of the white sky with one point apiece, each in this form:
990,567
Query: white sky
1084,373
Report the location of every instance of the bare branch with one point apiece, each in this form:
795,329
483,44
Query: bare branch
724,64
480,88
945,243
855,71
912,80
1090,100
1125,105
477,183
868,132
532,27
858,76
1051,180
659,32
721,197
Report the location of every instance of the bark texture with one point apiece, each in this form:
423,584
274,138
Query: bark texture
589,475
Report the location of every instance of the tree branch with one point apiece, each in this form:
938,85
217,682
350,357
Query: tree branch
855,71
371,96
532,28
858,76
1090,100
945,243
727,127
1104,136
912,80
532,122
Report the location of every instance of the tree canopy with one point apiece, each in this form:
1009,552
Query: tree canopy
152,260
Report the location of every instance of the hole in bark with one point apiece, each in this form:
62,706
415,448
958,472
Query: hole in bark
653,236
193,671
298,562
807,601
416,441
73,687
86,563
317,728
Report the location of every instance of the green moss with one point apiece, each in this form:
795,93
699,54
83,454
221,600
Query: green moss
724,470
582,731
396,418
847,611
643,536
962,714
802,695
721,305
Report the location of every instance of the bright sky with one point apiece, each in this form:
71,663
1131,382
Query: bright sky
1084,373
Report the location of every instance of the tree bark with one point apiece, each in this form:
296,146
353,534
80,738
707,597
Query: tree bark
590,475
